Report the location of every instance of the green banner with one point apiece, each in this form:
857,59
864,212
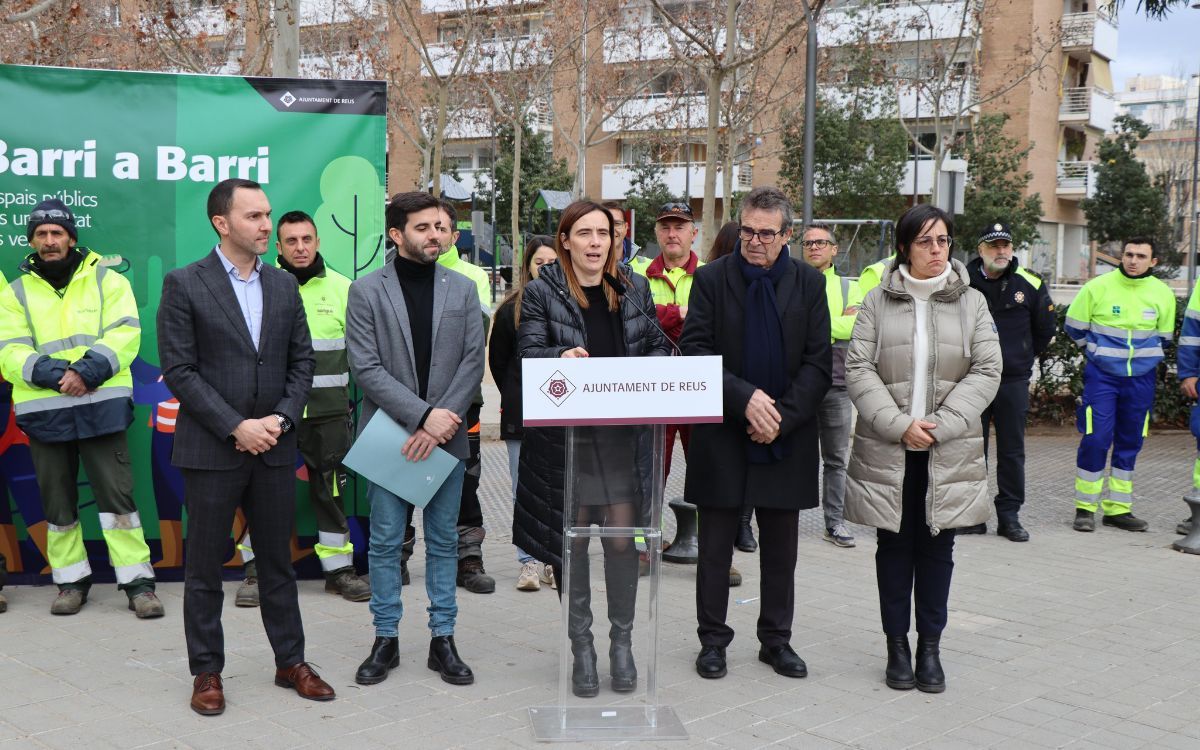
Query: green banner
134,155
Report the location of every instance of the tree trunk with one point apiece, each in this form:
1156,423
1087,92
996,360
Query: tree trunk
518,136
439,137
727,176
581,149
709,206
285,53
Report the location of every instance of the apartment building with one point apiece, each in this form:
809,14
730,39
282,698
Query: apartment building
1043,62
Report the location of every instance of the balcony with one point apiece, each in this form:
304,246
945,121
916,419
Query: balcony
475,123
342,66
908,100
924,170
624,44
894,23
501,55
1076,180
459,6
322,12
1088,33
680,177
659,112
1087,106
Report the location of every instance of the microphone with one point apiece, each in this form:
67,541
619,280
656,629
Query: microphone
619,287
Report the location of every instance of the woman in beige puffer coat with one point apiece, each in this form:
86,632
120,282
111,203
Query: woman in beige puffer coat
924,362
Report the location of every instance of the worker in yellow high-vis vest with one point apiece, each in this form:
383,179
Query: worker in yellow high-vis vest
69,331
324,433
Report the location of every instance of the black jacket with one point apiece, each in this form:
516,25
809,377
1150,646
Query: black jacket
719,473
552,323
1024,313
504,361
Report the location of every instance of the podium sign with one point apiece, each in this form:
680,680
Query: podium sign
621,391
614,410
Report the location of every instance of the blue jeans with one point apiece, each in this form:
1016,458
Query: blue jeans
514,456
389,516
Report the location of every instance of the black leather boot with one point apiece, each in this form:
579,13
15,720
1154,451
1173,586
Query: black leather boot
384,656
930,677
621,580
745,535
585,682
444,659
899,674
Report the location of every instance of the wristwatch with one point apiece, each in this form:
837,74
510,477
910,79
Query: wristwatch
285,424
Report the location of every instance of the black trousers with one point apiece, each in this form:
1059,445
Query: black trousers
267,495
778,534
914,561
1007,412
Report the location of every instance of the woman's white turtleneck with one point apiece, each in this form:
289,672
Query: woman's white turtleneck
920,289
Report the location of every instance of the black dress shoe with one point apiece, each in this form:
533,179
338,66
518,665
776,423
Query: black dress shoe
444,659
783,660
929,674
711,662
979,528
1013,532
384,656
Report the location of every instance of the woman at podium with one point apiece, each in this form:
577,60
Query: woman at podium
588,305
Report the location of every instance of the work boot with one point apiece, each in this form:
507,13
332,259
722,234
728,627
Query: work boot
69,602
348,583
247,593
1085,520
979,528
1125,522
929,674
146,605
3,603
745,535
1184,527
735,577
1013,531
473,578
621,580
899,673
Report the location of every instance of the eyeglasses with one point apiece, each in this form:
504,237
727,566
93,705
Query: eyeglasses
818,244
926,242
48,213
765,236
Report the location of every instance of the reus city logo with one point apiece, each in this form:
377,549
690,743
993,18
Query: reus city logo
288,99
557,388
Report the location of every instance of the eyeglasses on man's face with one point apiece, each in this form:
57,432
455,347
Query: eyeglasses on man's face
817,244
765,236
925,243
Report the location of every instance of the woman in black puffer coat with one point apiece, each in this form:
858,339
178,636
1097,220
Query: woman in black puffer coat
569,311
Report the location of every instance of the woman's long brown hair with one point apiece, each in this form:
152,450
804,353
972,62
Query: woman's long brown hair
536,242
570,215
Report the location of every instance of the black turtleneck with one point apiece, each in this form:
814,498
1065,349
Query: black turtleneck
57,273
416,281
304,275
604,335
1126,274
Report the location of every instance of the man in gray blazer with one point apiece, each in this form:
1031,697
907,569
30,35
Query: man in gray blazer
235,350
415,341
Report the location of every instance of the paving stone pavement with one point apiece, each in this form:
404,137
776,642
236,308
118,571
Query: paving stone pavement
1072,640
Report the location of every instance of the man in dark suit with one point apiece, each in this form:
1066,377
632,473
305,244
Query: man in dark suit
235,350
766,314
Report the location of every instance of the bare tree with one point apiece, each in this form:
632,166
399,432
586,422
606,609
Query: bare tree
719,40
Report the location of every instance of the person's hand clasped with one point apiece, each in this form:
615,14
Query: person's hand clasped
71,384
252,436
441,424
577,353
419,445
762,416
919,435
1188,386
766,438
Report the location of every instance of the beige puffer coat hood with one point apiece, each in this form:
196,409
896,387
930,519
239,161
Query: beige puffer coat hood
965,363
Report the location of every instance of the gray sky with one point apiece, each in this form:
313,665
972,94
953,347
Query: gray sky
1156,47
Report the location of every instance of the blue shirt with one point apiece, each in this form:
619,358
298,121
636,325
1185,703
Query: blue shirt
248,293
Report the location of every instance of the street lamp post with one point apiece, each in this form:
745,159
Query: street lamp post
810,112
1191,264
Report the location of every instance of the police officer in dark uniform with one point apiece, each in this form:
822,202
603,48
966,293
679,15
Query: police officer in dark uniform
1024,313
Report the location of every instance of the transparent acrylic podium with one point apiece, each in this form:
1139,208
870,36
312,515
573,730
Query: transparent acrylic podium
612,511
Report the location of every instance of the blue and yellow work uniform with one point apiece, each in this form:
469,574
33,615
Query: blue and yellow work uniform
1187,359
324,432
873,274
89,325
1122,324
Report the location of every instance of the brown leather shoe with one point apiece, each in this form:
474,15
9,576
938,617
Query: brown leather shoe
208,696
306,682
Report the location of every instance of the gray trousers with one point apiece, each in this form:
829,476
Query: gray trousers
833,424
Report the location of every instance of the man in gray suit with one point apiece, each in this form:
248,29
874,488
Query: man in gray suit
415,341
235,350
